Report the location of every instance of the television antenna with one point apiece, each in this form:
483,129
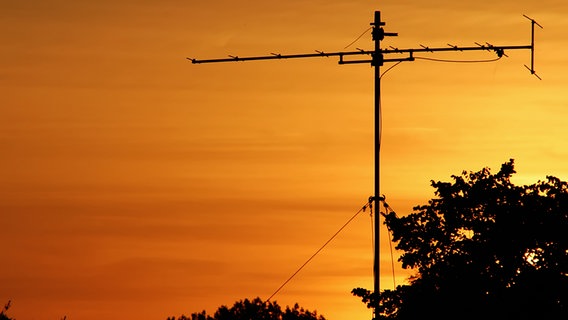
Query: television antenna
377,60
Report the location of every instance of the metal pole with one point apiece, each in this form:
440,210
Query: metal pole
532,46
378,34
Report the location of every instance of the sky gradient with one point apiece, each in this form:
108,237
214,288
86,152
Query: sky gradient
136,185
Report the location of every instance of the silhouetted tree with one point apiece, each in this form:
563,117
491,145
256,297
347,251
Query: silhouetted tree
3,315
255,309
484,248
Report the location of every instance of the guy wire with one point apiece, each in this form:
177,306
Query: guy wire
318,251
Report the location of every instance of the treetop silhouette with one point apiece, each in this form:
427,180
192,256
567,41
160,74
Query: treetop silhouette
483,248
255,309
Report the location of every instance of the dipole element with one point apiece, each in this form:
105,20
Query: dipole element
531,69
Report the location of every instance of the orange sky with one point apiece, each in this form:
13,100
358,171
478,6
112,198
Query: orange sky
136,185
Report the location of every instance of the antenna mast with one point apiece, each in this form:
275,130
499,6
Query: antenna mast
377,60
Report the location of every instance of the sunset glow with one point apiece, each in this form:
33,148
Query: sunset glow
136,185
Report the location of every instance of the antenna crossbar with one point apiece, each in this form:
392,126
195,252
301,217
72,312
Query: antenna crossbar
499,50
319,54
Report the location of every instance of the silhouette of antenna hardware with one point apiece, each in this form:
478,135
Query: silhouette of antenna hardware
377,55
377,59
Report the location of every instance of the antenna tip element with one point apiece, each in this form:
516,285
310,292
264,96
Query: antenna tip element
533,72
533,21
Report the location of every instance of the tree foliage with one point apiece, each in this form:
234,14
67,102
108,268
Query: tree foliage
483,248
255,309
3,312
